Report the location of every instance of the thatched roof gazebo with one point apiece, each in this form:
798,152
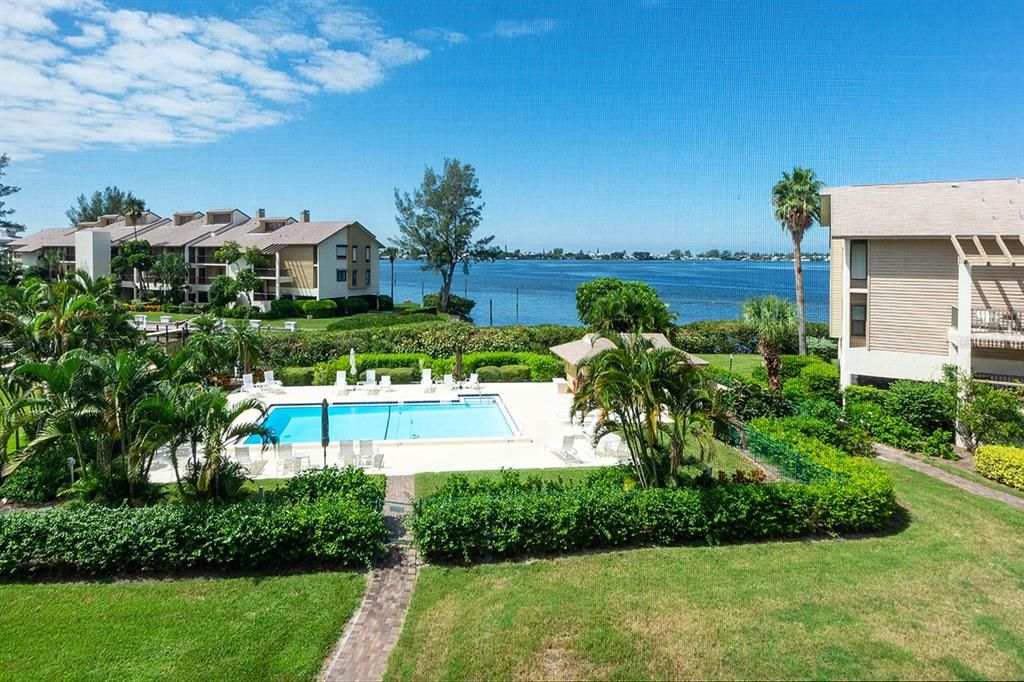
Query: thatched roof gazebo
576,352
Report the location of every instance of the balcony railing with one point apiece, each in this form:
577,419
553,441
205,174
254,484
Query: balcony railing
998,321
1001,380
269,273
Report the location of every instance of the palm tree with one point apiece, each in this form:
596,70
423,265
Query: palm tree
798,206
391,253
774,321
632,387
219,426
133,209
244,344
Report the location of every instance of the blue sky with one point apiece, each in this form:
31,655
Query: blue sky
632,124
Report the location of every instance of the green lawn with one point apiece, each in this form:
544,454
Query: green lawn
725,459
952,468
941,598
252,628
300,322
741,363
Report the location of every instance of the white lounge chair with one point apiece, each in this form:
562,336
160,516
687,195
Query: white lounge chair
378,460
247,385
341,381
269,383
370,383
385,382
567,453
347,453
427,381
449,381
366,452
474,381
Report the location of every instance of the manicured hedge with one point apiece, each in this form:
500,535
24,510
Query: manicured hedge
378,320
437,339
399,375
730,336
296,376
463,523
169,538
541,366
325,373
1001,463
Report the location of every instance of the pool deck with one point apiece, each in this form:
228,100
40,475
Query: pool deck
539,412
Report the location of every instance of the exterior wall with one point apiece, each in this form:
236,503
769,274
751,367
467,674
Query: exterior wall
92,252
1004,361
911,292
835,289
330,263
894,365
998,287
298,261
359,237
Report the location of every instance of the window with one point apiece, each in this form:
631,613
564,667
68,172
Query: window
858,262
355,254
355,281
340,250
858,319
314,255
367,256
367,278
342,275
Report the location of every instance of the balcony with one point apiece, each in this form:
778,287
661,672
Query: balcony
269,273
996,321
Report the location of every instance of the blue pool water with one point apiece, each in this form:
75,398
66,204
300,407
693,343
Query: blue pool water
469,418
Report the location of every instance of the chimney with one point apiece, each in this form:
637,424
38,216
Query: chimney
261,213
304,216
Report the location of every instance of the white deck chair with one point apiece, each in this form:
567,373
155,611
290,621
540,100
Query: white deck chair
247,385
286,461
474,381
378,460
370,383
269,383
427,381
449,381
567,453
385,382
366,452
347,453
341,381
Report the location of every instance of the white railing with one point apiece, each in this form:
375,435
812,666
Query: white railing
996,320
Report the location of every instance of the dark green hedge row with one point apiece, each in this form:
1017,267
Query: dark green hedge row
331,519
730,336
436,339
463,524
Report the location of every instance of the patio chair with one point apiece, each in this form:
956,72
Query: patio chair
347,453
378,460
341,381
247,385
385,382
567,453
474,381
366,452
449,381
286,462
269,383
370,383
427,381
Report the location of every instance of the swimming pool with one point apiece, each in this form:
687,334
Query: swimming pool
472,417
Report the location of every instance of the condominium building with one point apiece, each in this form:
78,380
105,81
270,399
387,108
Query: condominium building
927,274
332,259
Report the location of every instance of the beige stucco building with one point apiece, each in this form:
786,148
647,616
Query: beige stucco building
927,274
331,259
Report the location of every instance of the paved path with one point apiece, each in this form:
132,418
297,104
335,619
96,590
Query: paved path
366,642
893,455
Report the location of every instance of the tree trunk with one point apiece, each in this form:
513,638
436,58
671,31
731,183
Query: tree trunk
392,280
446,288
773,366
801,317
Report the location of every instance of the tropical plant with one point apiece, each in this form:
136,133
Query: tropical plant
137,258
171,272
244,344
437,223
133,209
223,291
652,398
228,253
774,321
798,207
255,257
248,282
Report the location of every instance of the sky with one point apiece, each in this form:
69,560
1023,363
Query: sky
619,124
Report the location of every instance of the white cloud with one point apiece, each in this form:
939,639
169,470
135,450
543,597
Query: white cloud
429,35
519,29
133,79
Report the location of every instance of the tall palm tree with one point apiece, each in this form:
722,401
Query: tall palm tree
774,321
244,344
133,209
798,206
219,425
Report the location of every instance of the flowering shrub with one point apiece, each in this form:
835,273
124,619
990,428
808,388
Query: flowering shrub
1001,463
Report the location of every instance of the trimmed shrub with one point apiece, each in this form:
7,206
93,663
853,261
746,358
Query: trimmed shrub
385,303
489,374
285,307
822,381
296,376
505,517
325,308
928,405
354,306
349,483
714,336
864,394
1001,463
324,373
172,538
822,347
515,373
38,479
748,399
457,305
377,320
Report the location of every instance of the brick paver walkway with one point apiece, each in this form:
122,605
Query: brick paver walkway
893,455
366,642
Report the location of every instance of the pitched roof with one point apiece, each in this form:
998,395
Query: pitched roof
46,238
575,352
295,233
926,209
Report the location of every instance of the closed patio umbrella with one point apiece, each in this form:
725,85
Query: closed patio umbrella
352,363
325,429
